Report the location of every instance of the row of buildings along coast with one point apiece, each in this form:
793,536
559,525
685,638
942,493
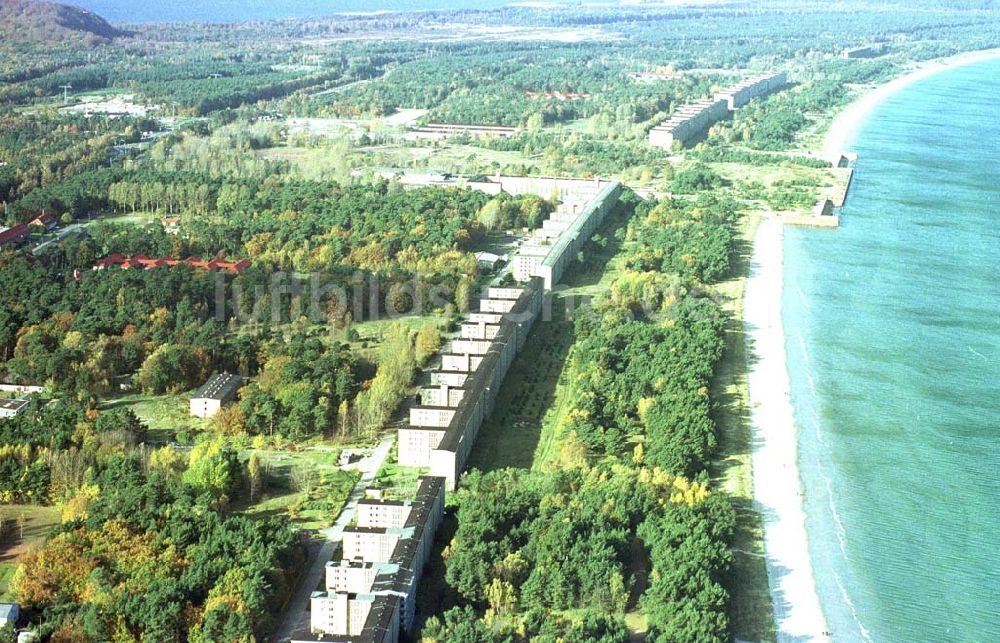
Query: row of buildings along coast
370,593
690,121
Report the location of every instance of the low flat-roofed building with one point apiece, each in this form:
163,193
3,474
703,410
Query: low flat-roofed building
219,390
12,408
489,260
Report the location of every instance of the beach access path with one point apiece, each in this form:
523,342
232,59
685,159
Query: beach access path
777,486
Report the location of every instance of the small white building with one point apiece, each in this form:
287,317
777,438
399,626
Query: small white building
9,614
489,261
219,390
11,409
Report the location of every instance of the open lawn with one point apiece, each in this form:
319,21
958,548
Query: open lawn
442,157
401,482
165,415
132,218
38,521
306,486
769,175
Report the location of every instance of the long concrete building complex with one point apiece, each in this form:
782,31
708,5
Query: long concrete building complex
553,246
441,131
690,121
444,424
742,93
370,594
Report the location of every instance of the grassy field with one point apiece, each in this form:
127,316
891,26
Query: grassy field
769,175
750,608
134,218
522,430
306,486
37,523
165,415
399,480
447,157
371,332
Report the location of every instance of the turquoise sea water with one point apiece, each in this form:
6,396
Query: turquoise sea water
893,334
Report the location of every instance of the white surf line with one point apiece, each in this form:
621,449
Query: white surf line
777,486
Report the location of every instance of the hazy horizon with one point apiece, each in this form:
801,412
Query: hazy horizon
223,11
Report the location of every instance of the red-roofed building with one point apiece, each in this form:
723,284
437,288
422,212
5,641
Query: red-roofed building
14,236
171,225
240,266
110,260
46,221
139,261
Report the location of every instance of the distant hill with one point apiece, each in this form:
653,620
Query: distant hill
38,21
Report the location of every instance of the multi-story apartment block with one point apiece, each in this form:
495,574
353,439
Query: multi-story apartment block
370,602
443,395
415,445
371,544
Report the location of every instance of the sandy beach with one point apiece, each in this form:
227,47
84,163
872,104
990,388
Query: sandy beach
848,121
776,480
777,486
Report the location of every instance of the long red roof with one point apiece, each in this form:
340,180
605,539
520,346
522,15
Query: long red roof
146,262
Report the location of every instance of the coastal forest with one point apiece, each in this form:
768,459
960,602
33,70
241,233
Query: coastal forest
274,199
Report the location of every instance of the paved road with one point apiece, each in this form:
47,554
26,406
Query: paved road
62,234
295,614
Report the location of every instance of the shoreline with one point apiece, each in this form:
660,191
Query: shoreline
776,482
848,121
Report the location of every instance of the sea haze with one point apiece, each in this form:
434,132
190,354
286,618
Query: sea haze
892,326
131,11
